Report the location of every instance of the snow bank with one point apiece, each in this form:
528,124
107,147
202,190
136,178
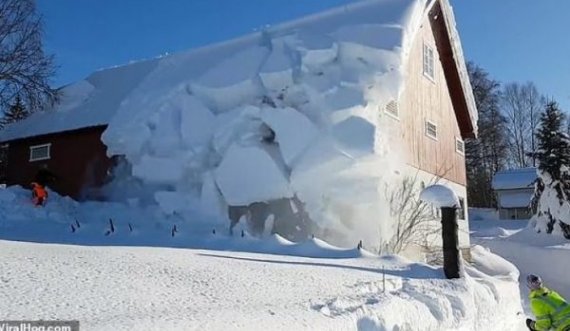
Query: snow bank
180,289
346,290
486,298
536,253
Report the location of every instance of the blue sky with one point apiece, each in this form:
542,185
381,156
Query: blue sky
515,40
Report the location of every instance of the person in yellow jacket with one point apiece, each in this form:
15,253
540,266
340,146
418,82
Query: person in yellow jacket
551,310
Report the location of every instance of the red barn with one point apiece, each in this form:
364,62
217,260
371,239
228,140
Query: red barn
66,139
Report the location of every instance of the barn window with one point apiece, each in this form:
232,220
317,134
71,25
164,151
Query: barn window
459,146
40,152
431,130
392,109
429,62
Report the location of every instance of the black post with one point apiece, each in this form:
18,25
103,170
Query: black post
450,242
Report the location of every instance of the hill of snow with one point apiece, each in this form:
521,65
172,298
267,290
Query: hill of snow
531,252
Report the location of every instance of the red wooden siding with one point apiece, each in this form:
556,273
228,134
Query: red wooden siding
78,159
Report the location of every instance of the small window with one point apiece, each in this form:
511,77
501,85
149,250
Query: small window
459,146
392,109
40,152
431,130
429,70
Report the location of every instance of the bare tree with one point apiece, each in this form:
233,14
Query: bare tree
25,70
535,103
522,105
487,154
518,123
415,220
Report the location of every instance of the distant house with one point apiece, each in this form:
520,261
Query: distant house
397,65
514,190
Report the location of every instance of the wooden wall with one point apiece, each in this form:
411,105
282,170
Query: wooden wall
426,99
78,159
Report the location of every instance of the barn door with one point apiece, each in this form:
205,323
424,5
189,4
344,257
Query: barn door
3,163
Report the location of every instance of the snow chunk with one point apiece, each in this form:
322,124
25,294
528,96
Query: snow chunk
277,71
249,174
293,130
165,131
240,124
196,122
493,265
355,136
231,82
317,50
243,66
440,196
159,170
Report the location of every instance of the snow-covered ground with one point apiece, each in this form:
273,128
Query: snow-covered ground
531,252
128,288
198,280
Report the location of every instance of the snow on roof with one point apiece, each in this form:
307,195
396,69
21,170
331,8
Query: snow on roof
96,100
514,179
87,103
515,199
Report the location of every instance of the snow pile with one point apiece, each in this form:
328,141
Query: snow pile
198,289
537,253
291,113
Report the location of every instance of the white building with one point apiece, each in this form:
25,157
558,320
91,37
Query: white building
514,190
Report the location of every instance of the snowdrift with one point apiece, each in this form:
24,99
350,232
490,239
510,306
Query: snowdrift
268,276
196,289
531,252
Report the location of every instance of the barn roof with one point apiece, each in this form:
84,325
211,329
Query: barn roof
380,24
514,179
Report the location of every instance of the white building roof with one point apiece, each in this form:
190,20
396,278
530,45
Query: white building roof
514,179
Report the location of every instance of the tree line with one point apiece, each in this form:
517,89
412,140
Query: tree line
509,120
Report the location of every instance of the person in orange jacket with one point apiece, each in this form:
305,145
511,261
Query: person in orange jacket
39,194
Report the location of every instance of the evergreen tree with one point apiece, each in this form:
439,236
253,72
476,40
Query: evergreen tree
16,112
550,203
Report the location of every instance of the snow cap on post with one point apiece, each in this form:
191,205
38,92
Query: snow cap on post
440,196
